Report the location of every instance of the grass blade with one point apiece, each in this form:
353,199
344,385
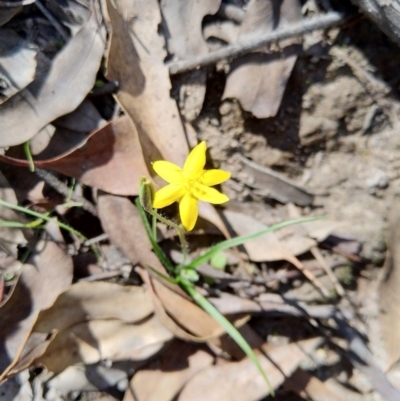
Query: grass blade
231,330
244,238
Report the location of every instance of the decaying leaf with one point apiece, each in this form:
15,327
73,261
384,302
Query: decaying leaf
85,118
99,320
95,301
241,381
47,274
113,339
17,63
136,60
178,364
258,80
183,26
93,377
110,159
58,91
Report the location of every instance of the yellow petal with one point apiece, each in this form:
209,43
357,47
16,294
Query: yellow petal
168,195
168,171
188,210
195,162
214,177
208,194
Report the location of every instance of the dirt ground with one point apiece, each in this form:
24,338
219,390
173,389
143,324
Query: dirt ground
337,135
332,150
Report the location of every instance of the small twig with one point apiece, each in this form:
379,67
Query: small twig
95,240
320,259
61,188
326,21
52,20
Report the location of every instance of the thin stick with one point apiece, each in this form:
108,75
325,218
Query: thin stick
57,26
61,188
326,21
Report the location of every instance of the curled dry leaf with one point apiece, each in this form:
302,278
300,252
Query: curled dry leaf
258,80
241,381
136,60
17,63
110,159
47,274
177,364
57,91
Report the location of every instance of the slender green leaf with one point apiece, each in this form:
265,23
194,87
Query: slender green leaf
244,238
232,331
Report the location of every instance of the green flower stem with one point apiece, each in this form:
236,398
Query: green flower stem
158,251
28,154
179,228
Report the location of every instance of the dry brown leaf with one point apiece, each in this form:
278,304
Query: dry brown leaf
95,301
34,348
110,159
241,381
58,92
179,315
94,377
258,80
177,364
183,27
121,221
209,213
136,60
93,341
17,63
47,274
85,118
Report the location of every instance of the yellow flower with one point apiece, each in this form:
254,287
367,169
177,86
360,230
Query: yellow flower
188,185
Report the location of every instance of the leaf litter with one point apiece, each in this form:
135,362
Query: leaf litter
97,119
